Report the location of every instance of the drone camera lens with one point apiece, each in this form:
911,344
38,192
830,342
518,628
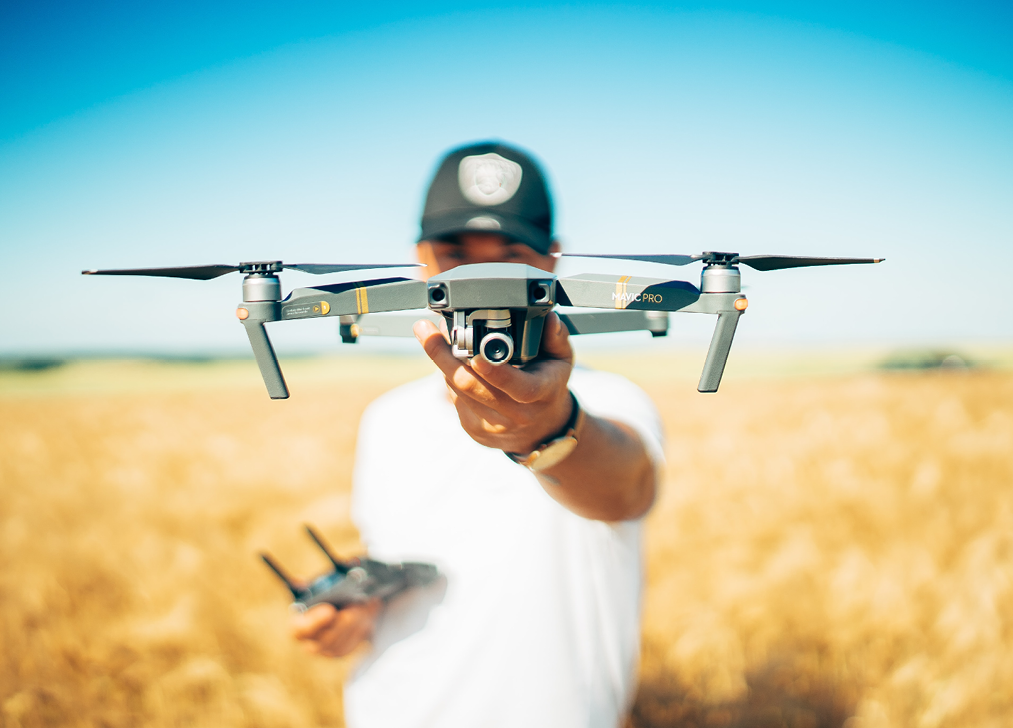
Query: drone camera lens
497,348
496,351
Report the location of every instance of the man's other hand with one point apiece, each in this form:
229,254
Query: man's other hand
331,632
506,407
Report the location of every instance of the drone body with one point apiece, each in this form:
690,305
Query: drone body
497,310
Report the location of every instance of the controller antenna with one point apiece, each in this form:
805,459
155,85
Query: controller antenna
340,566
297,592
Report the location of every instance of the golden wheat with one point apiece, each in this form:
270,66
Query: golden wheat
824,550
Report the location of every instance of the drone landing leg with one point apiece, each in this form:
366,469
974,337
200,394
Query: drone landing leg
266,360
717,354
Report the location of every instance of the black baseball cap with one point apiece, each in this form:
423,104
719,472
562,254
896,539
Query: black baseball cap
489,187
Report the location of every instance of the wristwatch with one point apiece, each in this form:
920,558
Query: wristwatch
557,448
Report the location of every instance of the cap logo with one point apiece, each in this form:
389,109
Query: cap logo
488,179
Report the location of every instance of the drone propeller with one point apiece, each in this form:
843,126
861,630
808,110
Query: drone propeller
664,259
757,262
779,262
207,272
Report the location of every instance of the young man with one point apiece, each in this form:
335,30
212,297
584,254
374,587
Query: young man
536,622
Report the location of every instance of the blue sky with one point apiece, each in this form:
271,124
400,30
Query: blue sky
188,134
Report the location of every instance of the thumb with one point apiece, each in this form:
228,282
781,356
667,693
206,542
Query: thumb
556,339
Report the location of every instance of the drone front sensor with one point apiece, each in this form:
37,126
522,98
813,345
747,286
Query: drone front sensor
496,310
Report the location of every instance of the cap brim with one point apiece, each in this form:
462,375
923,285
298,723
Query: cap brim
482,221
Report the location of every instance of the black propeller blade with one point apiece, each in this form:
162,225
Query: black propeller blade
665,259
319,269
758,262
778,262
207,272
194,272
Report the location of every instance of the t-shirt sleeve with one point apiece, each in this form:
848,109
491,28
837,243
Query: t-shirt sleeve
616,398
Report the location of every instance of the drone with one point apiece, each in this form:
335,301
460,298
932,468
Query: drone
352,582
496,310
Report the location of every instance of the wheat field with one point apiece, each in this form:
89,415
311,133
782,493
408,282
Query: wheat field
829,549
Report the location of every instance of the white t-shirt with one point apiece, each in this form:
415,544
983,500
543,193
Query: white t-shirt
536,621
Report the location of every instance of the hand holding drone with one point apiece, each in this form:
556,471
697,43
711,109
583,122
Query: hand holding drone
496,310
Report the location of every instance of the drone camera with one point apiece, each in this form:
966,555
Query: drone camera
438,297
496,347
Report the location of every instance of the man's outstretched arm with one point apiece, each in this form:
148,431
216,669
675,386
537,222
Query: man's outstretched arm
609,476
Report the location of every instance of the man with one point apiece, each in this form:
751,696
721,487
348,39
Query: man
537,620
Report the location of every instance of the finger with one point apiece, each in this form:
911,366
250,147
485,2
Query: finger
443,329
539,382
436,347
556,339
373,607
499,411
337,637
353,637
478,420
343,646
541,379
476,415
457,373
353,625
312,622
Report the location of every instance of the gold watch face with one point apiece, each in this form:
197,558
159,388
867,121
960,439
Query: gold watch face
555,452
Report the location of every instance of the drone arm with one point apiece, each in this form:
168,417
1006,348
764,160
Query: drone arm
384,325
717,354
362,297
625,292
603,322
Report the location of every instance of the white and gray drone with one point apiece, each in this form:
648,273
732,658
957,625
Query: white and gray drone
495,310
